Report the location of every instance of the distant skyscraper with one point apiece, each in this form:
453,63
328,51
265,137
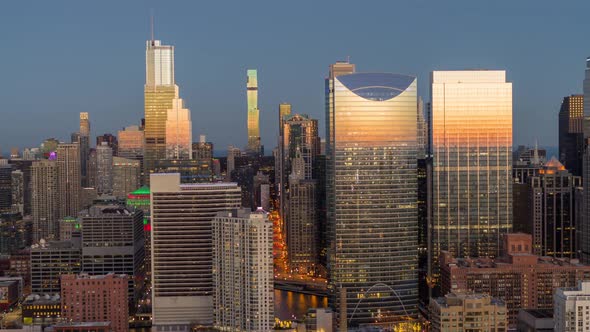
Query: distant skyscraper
179,131
243,271
472,165
253,112
372,193
104,169
92,169
5,186
131,143
126,176
84,140
160,89
18,192
182,248
571,133
585,226
111,141
68,179
45,199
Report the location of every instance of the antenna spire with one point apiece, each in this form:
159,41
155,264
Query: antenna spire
152,25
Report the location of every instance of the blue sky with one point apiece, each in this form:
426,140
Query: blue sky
60,58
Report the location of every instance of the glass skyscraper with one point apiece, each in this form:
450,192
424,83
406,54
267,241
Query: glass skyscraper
584,226
160,89
179,131
372,195
472,162
253,111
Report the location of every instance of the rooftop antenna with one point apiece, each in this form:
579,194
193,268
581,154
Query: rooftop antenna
348,59
152,26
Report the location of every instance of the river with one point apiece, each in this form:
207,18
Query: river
290,305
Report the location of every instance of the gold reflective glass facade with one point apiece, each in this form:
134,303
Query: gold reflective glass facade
253,111
372,195
472,162
179,132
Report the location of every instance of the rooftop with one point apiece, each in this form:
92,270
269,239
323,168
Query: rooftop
376,86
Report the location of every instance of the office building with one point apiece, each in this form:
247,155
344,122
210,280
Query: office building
243,271
104,169
550,214
191,171
468,312
371,151
535,320
179,131
68,179
140,199
110,140
131,143
254,144
472,163
571,133
92,169
45,199
83,327
526,155
584,228
13,233
113,242
103,298
69,229
571,308
84,141
18,192
232,154
518,277
319,320
203,153
24,166
50,260
126,176
5,186
181,216
159,91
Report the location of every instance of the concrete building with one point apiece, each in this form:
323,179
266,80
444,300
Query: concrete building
571,310
535,320
181,216
243,271
68,179
45,199
468,312
113,242
50,260
41,310
96,299
104,169
126,176
67,227
519,278
319,320
82,327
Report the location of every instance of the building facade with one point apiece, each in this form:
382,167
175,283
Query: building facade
472,162
68,179
104,169
45,199
519,278
468,312
371,193
50,260
103,298
571,133
571,308
179,131
254,144
243,271
126,176
182,248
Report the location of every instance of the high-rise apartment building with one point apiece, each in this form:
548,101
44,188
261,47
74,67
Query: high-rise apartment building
45,199
93,299
243,271
179,131
84,141
571,308
468,312
182,254
160,90
25,167
68,179
472,162
5,186
104,168
110,140
254,144
18,192
126,176
372,192
571,133
50,260
113,242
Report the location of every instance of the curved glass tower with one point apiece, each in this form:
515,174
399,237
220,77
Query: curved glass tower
372,196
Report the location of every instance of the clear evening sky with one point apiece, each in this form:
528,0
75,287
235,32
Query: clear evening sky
60,58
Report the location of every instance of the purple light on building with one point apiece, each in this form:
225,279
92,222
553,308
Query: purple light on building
52,155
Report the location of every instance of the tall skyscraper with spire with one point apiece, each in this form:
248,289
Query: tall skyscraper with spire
253,112
84,140
159,92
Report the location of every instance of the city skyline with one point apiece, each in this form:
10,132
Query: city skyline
536,94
